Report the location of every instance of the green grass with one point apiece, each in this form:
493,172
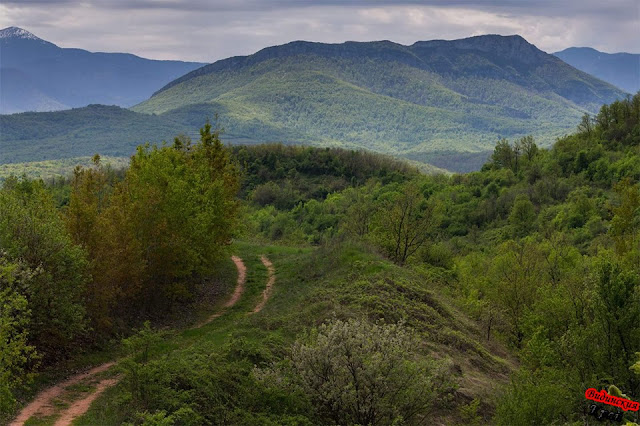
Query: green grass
315,285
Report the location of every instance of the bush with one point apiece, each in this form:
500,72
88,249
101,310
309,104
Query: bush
356,372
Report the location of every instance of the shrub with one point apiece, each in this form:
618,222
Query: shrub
356,372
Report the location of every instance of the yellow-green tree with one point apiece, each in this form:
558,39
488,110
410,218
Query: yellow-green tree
167,222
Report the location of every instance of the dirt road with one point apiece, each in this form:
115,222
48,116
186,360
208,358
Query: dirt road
44,403
266,293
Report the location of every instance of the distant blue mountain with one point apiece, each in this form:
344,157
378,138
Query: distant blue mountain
620,69
36,75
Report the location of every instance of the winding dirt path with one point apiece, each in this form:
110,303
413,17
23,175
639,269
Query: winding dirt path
237,293
43,404
81,406
266,293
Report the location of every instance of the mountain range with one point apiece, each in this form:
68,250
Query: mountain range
36,75
441,102
620,69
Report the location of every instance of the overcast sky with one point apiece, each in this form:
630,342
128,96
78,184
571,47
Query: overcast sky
207,30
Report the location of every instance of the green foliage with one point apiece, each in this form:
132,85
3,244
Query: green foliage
81,132
52,170
470,413
17,356
403,222
33,233
361,373
195,387
539,398
168,220
618,315
522,215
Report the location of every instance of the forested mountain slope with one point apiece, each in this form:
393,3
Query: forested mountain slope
422,101
440,102
108,130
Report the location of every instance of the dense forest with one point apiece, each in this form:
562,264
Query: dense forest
498,296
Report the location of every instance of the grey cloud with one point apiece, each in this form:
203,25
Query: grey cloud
537,7
210,30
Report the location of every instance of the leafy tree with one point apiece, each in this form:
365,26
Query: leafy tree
626,220
17,356
32,230
527,148
618,316
538,398
522,215
503,155
151,233
404,222
358,216
516,274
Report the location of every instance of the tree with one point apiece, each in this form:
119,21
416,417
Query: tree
404,222
503,155
528,148
361,208
586,125
17,356
150,234
626,220
515,275
522,215
618,316
32,231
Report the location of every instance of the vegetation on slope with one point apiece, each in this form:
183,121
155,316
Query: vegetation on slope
80,132
52,169
536,256
416,101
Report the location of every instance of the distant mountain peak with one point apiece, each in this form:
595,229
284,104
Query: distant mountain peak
511,46
16,32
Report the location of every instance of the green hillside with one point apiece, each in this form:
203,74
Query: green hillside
422,101
79,132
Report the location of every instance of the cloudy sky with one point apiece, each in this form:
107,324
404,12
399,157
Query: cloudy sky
207,30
